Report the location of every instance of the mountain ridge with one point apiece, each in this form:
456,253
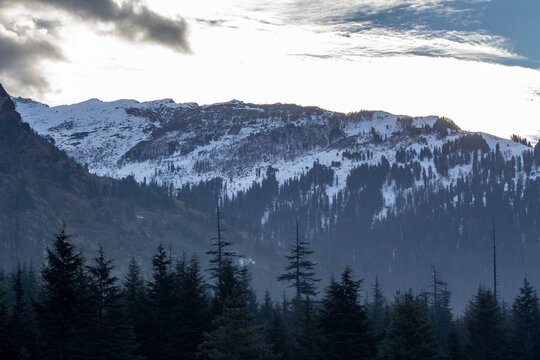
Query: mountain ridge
235,141
389,195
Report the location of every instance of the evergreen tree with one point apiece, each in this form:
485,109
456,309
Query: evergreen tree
63,306
226,286
235,335
378,311
485,332
266,309
277,334
454,344
220,252
346,333
299,271
305,329
247,290
161,298
440,311
113,334
5,348
409,336
525,337
22,329
220,264
134,298
191,312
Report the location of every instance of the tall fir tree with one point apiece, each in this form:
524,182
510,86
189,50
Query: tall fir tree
378,311
265,311
113,336
161,296
277,334
63,307
235,335
220,251
135,302
22,328
485,332
300,270
305,330
440,312
453,341
346,332
220,261
191,312
410,336
525,337
5,348
247,289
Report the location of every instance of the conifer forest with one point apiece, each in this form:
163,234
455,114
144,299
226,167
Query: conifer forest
72,307
269,180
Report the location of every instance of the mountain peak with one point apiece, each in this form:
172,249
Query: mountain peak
5,101
3,92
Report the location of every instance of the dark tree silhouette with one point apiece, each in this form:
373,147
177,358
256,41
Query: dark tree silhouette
485,331
299,271
63,305
409,336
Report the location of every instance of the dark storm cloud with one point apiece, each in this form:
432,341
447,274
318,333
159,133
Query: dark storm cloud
130,20
22,50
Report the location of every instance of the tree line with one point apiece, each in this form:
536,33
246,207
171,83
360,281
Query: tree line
78,309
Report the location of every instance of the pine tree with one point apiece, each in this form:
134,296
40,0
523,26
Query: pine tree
22,329
63,306
220,252
247,290
410,336
485,332
113,335
266,309
191,312
440,312
346,332
305,330
228,281
525,338
276,333
377,311
135,302
235,335
161,304
454,344
5,348
299,271
220,262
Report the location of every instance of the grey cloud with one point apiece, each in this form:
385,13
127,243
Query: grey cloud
130,20
21,54
24,48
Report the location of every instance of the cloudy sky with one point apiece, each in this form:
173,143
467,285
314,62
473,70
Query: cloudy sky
475,61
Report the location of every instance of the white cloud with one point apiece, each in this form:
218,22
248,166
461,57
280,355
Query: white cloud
254,52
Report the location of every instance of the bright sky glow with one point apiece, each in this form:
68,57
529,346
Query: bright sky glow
306,52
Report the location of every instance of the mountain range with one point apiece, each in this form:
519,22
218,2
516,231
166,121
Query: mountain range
392,196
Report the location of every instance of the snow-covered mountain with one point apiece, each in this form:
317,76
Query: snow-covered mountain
186,143
390,195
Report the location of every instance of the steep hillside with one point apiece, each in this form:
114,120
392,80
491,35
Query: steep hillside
41,187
